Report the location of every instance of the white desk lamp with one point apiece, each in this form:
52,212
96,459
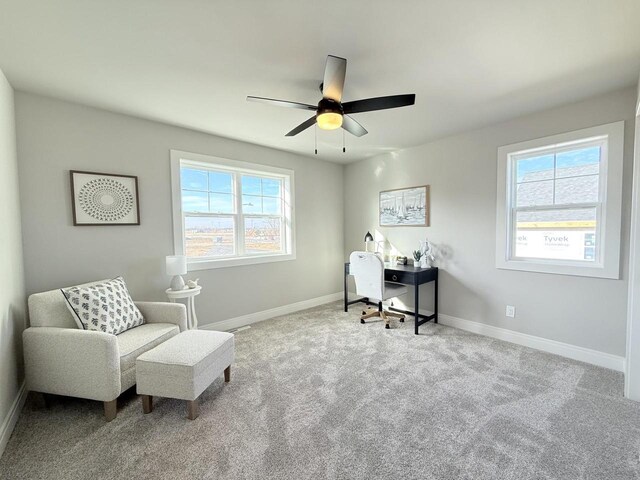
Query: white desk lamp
368,242
177,266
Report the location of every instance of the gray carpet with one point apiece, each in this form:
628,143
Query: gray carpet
317,395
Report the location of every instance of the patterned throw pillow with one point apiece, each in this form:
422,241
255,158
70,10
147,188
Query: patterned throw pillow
103,306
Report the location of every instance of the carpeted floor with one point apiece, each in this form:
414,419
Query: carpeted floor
316,395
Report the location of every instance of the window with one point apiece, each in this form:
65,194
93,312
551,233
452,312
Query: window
559,203
230,213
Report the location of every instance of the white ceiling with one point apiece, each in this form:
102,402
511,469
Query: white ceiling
192,63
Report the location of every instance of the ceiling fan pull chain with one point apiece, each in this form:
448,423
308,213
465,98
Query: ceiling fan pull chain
344,149
315,132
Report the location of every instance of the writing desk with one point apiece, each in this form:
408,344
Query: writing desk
407,275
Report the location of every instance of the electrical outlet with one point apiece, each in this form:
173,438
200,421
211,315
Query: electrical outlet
511,311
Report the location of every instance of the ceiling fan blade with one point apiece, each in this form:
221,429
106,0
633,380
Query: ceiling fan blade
379,103
334,73
303,126
281,103
353,127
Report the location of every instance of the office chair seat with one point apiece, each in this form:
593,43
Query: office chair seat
368,271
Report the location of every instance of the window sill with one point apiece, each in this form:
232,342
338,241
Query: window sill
193,264
594,271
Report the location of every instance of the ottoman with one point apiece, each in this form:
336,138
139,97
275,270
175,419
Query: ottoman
183,367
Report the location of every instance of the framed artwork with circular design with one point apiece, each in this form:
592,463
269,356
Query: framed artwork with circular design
104,199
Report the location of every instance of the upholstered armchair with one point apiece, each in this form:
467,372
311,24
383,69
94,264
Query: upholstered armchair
62,359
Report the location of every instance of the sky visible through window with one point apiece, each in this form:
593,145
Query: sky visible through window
544,163
212,192
207,191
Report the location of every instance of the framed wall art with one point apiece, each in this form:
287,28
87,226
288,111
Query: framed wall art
104,199
406,207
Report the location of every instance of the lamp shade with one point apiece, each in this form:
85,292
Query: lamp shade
368,242
176,265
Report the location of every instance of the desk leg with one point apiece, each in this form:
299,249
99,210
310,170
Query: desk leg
416,298
435,301
346,293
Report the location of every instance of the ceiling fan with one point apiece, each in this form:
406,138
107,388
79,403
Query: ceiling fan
331,113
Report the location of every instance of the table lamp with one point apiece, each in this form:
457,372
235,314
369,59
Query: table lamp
176,266
368,240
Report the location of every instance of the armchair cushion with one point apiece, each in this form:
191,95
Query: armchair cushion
105,306
136,341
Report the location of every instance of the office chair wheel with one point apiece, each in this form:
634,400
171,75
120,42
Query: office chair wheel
362,320
401,319
387,326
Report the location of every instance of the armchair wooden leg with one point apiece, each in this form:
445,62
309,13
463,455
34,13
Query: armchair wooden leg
110,410
46,400
193,409
147,404
227,374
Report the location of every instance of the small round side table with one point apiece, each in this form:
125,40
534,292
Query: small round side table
189,294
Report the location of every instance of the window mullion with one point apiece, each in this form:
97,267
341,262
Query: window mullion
207,214
239,215
555,167
562,206
208,194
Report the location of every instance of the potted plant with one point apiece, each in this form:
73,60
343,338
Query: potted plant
417,255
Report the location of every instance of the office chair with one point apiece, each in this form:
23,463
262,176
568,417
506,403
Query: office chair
367,269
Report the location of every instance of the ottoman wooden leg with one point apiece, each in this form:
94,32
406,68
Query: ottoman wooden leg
110,410
193,409
227,374
147,403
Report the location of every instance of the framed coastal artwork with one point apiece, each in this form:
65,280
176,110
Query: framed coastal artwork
405,207
104,199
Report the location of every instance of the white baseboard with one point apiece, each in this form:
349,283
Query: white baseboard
574,352
250,318
12,417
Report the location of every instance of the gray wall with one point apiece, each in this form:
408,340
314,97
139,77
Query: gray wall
12,294
55,137
461,170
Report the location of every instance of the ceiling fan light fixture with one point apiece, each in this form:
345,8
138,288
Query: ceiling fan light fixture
329,120
329,114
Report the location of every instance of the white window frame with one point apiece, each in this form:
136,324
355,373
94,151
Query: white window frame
195,160
609,215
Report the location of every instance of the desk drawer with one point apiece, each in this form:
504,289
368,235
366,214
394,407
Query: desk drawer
399,277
